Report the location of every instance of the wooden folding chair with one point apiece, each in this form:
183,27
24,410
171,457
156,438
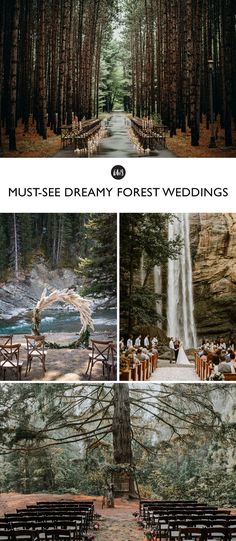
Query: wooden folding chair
111,364
5,340
35,348
101,352
10,355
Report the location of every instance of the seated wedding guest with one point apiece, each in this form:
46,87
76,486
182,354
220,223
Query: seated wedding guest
214,346
130,342
147,352
233,360
225,366
215,374
222,344
231,345
209,356
203,353
137,342
141,355
147,341
215,361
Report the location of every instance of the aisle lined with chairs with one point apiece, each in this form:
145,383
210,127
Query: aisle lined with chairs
49,521
180,520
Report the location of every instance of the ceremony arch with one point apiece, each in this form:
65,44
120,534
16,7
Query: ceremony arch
66,296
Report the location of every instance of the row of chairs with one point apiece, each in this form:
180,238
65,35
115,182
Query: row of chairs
103,351
10,354
180,520
48,521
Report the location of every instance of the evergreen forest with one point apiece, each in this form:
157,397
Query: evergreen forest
85,243
151,58
177,442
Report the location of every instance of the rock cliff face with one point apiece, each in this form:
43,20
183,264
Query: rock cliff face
20,296
213,247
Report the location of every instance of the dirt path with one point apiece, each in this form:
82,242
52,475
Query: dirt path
119,529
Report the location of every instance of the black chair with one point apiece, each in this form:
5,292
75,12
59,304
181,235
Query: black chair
195,534
6,535
25,535
57,534
216,532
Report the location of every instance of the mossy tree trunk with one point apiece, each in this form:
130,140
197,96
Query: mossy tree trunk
122,441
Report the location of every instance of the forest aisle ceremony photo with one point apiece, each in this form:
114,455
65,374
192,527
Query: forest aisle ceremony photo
118,460
177,297
117,78
58,297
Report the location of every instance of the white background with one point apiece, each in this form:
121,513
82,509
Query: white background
96,173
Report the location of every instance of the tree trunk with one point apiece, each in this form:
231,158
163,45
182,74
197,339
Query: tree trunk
2,20
42,105
13,74
122,442
227,70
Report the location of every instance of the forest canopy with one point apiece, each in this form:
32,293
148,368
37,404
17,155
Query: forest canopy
85,243
176,439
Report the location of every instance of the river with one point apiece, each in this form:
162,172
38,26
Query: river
58,321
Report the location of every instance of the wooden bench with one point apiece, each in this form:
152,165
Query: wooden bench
149,135
229,377
78,135
202,367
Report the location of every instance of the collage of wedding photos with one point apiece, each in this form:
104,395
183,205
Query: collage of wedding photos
118,298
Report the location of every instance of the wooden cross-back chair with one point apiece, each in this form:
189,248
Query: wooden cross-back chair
10,359
101,352
35,348
111,365
5,340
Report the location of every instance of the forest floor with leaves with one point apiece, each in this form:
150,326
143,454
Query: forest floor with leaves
31,145
180,145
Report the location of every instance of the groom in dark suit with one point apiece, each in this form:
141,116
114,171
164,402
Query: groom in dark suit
176,348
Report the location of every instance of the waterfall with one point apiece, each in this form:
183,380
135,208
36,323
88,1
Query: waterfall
180,306
157,275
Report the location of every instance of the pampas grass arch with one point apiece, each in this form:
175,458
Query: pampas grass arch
67,296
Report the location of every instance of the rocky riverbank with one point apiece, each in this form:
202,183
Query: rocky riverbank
19,296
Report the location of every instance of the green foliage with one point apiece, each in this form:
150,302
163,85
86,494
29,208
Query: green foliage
183,443
63,240
114,86
99,268
142,234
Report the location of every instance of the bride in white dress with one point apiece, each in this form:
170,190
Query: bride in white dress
182,357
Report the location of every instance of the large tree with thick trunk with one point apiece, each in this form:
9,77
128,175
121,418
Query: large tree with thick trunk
116,417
